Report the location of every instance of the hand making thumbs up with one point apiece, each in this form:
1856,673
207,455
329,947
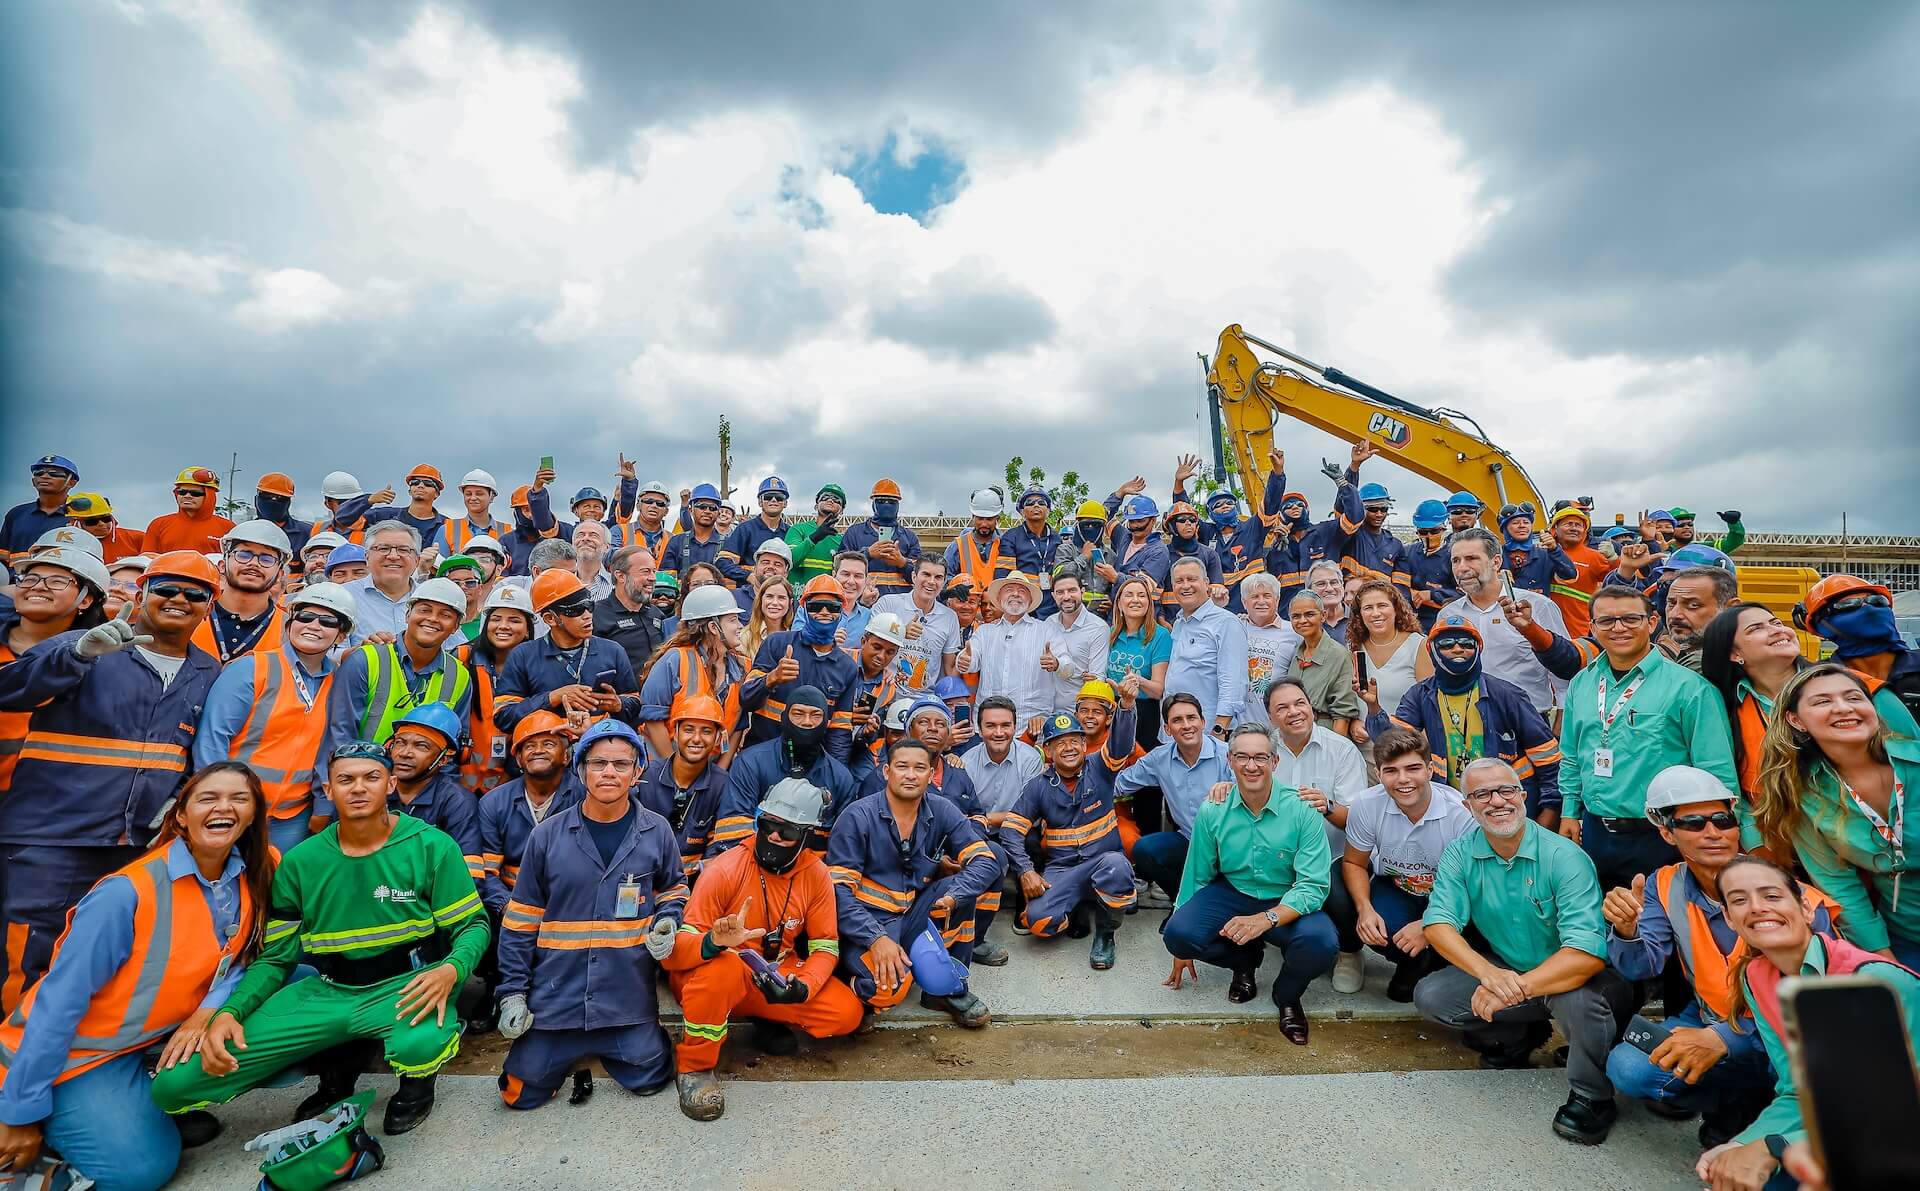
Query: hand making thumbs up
1621,907
786,671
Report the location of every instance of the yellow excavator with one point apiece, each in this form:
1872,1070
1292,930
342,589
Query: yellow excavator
1246,395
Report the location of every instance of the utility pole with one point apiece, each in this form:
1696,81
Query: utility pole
726,458
231,503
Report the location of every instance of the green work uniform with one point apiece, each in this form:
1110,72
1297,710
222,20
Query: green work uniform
1674,717
1280,854
811,557
1847,856
334,910
1545,899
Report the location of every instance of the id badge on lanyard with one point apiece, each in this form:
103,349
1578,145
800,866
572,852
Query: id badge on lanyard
627,901
1603,756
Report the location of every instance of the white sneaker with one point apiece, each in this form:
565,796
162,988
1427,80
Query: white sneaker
1349,972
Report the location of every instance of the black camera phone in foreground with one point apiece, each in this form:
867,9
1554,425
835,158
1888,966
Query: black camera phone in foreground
1859,1088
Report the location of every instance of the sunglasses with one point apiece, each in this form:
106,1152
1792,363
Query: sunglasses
190,592
1427,533
184,490
653,502
1186,521
40,472
1722,820
1377,508
705,506
102,520
463,584
323,619
423,482
773,497
571,608
1866,599
831,606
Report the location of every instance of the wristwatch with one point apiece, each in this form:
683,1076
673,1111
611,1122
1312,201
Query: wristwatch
1273,918
1777,1146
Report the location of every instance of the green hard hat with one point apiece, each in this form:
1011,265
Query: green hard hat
456,562
335,1148
834,490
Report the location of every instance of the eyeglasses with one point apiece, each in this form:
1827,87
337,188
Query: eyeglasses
1866,599
464,584
1250,758
1497,793
392,548
53,584
191,593
608,765
831,607
1631,620
243,556
578,606
1722,820
314,616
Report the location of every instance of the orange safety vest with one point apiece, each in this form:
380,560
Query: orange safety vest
980,569
1752,727
270,638
695,682
282,733
13,730
460,531
481,770
1709,970
176,958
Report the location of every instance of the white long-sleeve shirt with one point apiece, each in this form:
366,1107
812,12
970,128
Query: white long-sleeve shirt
1081,652
1006,655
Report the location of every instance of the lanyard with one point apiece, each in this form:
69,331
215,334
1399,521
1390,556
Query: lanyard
578,664
300,686
246,638
1895,833
1607,717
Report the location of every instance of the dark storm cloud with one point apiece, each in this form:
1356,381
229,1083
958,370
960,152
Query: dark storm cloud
964,315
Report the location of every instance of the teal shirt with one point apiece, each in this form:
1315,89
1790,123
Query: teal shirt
1279,855
1675,718
1783,1115
1848,858
1543,900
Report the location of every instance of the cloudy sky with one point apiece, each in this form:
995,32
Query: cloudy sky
1665,254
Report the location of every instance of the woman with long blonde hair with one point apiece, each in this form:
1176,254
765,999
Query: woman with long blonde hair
1843,795
772,613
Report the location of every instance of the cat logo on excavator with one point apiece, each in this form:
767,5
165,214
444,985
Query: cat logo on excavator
1389,430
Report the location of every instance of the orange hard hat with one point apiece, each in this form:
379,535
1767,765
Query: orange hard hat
182,564
1828,590
205,477
540,723
519,500
553,586
276,484
1181,508
698,707
887,489
825,585
427,471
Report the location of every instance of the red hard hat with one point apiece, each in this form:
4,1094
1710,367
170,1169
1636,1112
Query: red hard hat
1828,590
553,586
182,564
538,724
698,707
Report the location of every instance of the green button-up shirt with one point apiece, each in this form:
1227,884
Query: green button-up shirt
1280,854
1846,856
1674,718
1546,898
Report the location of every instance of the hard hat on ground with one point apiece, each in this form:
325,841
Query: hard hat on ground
331,596
937,973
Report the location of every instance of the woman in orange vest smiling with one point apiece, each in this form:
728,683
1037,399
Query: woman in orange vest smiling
151,951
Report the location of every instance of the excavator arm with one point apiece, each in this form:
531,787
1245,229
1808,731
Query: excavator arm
1251,394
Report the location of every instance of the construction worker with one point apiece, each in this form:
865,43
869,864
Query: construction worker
1134,547
112,711
1239,542
270,708
805,655
346,564
73,1075
1463,511
273,501
245,614
590,504
885,857
478,490
1857,616
742,546
93,512
55,591
1696,585
800,751
1570,525
125,587
533,521
979,553
878,646
701,542
424,747
891,548
318,553
1356,533
383,906
698,659
931,630
600,892
1079,551
1429,565
53,476
815,543
686,788
506,622
1532,566
569,671
1082,863
1033,543
1683,531
1183,541
650,518
194,526
773,899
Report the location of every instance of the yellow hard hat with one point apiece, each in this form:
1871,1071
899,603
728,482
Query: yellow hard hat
1090,510
1098,688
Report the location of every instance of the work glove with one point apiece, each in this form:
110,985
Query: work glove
1731,516
111,637
825,528
660,938
515,1019
789,991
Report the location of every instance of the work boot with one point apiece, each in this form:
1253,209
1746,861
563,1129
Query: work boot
1101,957
701,1097
965,1008
775,1038
1585,1121
409,1106
336,1084
991,955
197,1128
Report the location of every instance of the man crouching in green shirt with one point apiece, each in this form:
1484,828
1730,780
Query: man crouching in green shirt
384,907
1534,901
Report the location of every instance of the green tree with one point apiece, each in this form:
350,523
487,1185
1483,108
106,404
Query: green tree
1069,492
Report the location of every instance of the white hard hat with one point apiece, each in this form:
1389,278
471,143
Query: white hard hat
134,562
795,800
259,532
896,719
655,487
478,478
77,563
887,627
988,502
506,595
331,596
705,603
1677,785
441,591
326,539
67,537
487,542
340,485
777,548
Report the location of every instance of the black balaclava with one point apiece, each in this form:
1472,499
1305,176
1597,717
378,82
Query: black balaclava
1455,677
773,856
270,507
804,745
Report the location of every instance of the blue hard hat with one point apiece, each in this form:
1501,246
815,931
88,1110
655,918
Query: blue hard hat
600,730
1464,500
1222,496
1060,724
435,717
587,494
929,703
1660,515
343,555
1373,492
1509,512
704,492
952,687
1689,558
1621,531
1429,514
1138,507
773,484
1032,491
937,973
59,461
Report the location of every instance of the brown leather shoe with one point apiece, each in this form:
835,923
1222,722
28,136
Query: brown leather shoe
1293,1023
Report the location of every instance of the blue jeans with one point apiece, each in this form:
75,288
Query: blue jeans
1307,944
1743,1070
106,1124
1161,857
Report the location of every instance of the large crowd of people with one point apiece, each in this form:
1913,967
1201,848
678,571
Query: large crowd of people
284,799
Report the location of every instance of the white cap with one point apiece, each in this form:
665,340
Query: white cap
887,627
259,532
331,596
506,595
441,591
485,541
77,563
326,539
340,485
777,548
705,603
480,479
988,502
67,537
896,719
1677,785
